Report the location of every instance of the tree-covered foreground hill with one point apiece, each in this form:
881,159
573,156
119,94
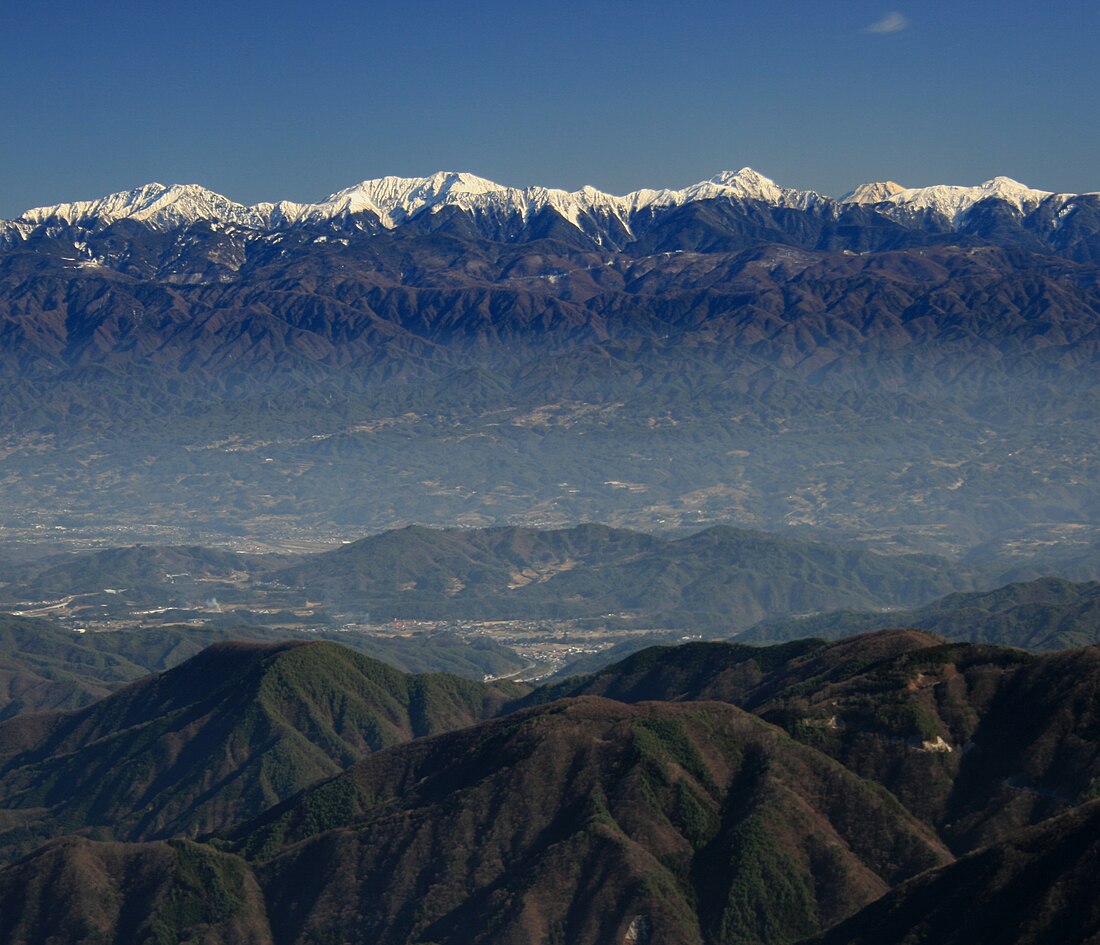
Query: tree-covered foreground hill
707,793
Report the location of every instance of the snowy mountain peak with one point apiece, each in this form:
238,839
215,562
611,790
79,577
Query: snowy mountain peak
1012,191
747,184
948,200
185,203
394,199
154,204
875,192
393,190
751,182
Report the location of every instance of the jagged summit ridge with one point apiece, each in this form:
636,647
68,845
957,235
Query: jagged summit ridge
155,204
393,201
949,200
397,199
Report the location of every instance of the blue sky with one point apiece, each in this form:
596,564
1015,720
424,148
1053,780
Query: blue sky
295,100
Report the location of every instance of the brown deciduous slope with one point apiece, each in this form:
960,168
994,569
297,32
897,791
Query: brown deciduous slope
572,821
1037,887
82,892
586,819
975,740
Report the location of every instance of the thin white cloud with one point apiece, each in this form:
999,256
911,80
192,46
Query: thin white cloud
891,23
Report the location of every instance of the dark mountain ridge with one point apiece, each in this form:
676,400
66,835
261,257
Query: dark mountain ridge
44,665
588,814
1033,888
976,740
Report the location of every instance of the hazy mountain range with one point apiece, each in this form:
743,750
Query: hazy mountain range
913,368
720,579
473,588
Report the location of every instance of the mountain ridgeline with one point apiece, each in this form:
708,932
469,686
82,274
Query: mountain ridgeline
1045,614
1063,222
44,665
719,579
630,589
858,790
913,368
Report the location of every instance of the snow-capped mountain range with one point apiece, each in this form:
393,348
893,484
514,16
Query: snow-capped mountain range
396,200
393,200
949,200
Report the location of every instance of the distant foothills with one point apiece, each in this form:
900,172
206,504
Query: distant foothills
500,603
